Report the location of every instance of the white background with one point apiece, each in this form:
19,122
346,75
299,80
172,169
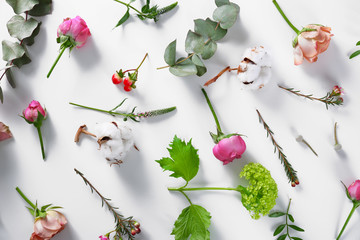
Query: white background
139,186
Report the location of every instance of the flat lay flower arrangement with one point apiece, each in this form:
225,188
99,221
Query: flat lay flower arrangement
179,120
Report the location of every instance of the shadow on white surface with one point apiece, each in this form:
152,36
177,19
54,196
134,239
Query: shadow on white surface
49,135
68,233
88,57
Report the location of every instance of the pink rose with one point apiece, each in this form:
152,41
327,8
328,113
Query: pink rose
311,43
354,190
103,238
229,148
47,227
4,132
75,28
31,112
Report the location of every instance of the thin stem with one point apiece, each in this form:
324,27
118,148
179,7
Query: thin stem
100,110
286,219
335,135
56,61
347,220
186,196
128,5
285,18
25,198
307,144
177,62
212,110
218,75
203,189
141,62
41,142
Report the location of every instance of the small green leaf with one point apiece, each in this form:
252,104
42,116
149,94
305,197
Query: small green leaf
1,95
358,43
145,9
219,32
14,52
194,42
43,8
204,28
170,53
291,217
124,18
296,238
193,222
219,3
19,28
20,6
197,61
184,161
10,78
30,40
276,214
282,237
200,71
354,54
297,228
183,69
226,15
209,50
279,229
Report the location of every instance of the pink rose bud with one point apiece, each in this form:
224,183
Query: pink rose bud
47,227
311,43
102,237
229,148
5,132
31,112
75,28
354,190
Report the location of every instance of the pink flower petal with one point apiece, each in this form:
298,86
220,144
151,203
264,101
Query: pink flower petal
308,47
5,132
298,55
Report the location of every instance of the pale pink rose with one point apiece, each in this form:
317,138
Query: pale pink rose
47,227
227,149
354,190
31,112
311,43
5,132
75,28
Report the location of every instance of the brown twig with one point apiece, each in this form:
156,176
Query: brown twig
80,131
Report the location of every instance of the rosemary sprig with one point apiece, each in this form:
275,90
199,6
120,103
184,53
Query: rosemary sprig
133,116
330,98
124,226
290,172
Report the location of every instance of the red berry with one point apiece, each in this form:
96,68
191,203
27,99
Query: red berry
127,82
127,88
133,232
116,79
136,224
138,230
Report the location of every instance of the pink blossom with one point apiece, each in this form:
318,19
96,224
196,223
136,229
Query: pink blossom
354,190
31,112
5,132
229,148
102,237
75,28
311,43
47,227
337,91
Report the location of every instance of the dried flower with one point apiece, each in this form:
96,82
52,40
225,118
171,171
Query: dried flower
337,145
5,132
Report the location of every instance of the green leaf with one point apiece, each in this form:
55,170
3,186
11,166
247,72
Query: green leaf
194,42
204,28
183,69
1,95
30,40
358,43
219,3
226,15
282,237
43,8
354,54
201,69
193,222
279,229
209,50
170,53
291,217
124,18
296,238
14,52
219,32
10,78
276,214
20,6
19,28
184,161
297,228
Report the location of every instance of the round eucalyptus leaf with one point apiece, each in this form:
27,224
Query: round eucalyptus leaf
219,32
204,28
20,6
219,3
197,61
43,8
226,15
194,42
183,69
170,53
209,50
19,28
11,50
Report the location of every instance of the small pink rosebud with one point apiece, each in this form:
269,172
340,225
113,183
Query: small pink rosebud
354,190
75,28
5,132
47,227
102,237
227,149
31,112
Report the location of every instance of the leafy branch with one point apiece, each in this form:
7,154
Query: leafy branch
286,225
124,226
146,11
290,172
331,98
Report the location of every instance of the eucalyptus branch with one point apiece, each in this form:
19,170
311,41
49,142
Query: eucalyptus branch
178,62
290,172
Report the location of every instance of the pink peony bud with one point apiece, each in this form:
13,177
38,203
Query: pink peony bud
311,43
354,190
75,28
31,112
47,227
4,132
229,148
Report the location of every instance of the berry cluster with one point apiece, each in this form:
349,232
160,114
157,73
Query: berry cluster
128,83
136,229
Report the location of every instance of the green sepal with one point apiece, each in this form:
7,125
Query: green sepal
120,72
347,192
214,137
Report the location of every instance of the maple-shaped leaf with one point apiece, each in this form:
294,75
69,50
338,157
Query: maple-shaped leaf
183,161
193,222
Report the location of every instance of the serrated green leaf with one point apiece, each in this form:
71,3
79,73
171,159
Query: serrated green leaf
1,95
183,69
170,53
219,3
19,28
43,8
193,222
297,228
291,217
279,229
354,54
209,50
30,40
282,237
219,32
226,15
10,78
296,238
276,214
20,6
194,42
124,18
184,161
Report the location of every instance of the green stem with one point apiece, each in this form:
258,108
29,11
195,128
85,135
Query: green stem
285,18
347,220
307,144
141,62
41,142
25,198
176,62
212,110
101,110
56,61
186,196
128,5
181,189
